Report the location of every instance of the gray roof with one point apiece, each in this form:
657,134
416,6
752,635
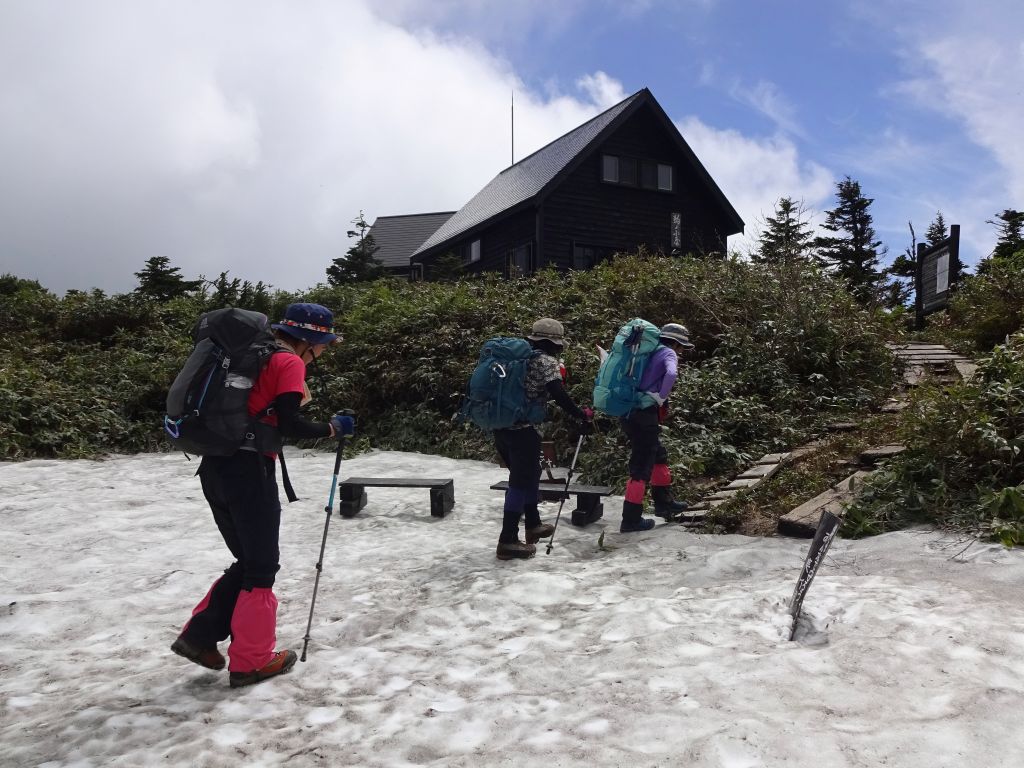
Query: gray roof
524,180
398,236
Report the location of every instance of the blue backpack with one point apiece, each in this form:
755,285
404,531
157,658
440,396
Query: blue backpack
496,397
617,387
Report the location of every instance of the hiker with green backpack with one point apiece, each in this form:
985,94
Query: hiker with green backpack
507,395
634,382
237,396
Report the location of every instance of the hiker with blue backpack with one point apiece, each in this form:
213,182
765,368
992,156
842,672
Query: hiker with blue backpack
267,371
633,383
508,394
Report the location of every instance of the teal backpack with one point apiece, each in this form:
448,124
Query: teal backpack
617,387
496,396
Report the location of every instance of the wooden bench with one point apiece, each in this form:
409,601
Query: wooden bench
352,492
589,508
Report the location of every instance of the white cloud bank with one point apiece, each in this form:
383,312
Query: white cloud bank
244,137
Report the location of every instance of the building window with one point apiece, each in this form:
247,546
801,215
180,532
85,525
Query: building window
471,253
665,177
586,255
416,272
627,171
611,169
634,172
520,261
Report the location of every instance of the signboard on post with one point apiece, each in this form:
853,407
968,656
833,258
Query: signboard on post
828,527
936,270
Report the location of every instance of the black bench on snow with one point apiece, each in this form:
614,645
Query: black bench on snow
352,492
589,508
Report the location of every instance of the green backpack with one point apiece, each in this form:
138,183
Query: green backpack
617,387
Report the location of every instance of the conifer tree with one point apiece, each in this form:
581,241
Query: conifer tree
1010,225
358,263
786,237
852,251
937,231
160,281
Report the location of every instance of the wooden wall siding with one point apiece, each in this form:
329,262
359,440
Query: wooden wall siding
585,209
498,239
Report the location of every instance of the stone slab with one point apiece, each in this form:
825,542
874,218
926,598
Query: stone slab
872,456
723,494
741,483
773,458
802,521
759,472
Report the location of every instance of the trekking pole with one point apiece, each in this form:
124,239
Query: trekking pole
565,492
323,543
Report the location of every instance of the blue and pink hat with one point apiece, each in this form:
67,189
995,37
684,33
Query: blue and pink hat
309,322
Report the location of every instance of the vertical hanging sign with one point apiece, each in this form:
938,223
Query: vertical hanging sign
677,233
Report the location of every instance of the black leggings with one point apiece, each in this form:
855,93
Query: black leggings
242,492
645,449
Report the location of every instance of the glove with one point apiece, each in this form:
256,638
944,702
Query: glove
343,424
587,425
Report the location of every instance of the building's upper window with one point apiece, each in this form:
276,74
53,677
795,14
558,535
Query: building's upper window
665,177
632,172
611,169
472,253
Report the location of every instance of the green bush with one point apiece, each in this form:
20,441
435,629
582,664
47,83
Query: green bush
963,466
986,308
779,350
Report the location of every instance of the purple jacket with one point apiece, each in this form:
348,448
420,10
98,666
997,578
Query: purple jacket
660,375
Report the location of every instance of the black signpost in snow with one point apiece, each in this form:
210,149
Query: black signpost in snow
828,527
935,266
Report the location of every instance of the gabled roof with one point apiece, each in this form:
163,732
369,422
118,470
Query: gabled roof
524,180
398,236
536,173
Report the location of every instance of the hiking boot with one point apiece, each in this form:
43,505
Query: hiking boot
635,526
515,550
664,505
205,657
538,532
280,663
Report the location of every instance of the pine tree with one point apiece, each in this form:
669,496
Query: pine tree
937,231
1010,225
160,281
904,269
787,236
358,263
852,251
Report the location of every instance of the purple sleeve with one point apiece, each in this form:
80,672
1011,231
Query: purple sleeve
661,373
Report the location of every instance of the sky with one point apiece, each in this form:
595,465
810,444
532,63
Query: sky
246,136
662,648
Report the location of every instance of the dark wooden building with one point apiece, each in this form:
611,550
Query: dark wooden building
624,179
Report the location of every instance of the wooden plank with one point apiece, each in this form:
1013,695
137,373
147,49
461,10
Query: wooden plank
396,482
595,490
760,471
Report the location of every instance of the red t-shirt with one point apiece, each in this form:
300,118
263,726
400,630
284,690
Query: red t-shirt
286,372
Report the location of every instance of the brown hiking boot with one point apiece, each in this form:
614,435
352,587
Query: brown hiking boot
515,550
281,662
204,657
538,532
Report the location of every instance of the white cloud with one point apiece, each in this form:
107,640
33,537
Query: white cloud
754,173
245,137
765,97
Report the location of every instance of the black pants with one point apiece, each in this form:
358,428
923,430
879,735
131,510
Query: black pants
520,450
645,448
242,492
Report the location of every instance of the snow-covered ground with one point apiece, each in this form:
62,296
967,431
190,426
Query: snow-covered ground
665,649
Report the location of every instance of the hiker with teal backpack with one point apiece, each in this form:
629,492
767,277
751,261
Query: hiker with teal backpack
243,375
508,394
634,383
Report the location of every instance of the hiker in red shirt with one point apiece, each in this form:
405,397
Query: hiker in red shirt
242,492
